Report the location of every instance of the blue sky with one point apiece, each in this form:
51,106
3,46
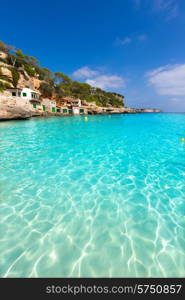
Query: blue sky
134,47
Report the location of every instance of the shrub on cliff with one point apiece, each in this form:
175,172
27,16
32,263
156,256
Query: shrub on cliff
61,78
30,70
59,92
4,86
4,48
44,73
15,76
46,89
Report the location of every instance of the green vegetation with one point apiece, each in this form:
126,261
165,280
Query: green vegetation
4,81
5,48
54,85
46,89
15,76
29,70
4,86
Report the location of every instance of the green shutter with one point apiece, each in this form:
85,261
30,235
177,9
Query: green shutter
53,109
44,107
64,110
34,105
81,110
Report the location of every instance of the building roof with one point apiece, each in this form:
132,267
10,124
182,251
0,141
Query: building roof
30,90
24,89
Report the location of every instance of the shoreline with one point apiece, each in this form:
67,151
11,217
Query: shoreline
70,116
14,112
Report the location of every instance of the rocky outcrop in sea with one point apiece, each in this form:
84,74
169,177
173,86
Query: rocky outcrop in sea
8,112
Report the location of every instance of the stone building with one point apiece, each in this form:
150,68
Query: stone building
49,105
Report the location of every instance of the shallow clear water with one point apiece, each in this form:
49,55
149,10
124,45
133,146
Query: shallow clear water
96,198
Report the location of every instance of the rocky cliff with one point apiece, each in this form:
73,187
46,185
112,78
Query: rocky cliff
18,70
24,79
12,112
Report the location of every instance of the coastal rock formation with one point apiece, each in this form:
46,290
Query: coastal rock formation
24,80
31,82
150,110
27,89
141,110
8,112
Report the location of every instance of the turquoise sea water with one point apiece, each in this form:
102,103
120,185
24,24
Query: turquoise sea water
98,198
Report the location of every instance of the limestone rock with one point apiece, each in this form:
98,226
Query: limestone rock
8,112
150,110
24,81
